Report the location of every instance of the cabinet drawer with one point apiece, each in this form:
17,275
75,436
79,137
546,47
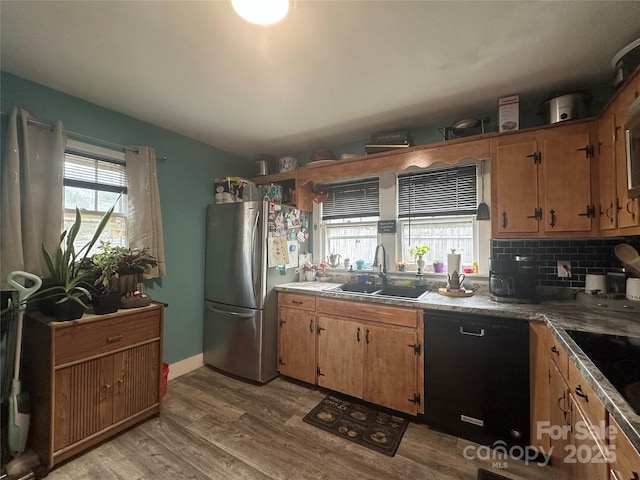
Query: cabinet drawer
89,339
405,317
294,300
559,356
585,397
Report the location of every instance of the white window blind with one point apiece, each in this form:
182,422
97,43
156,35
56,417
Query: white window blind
84,171
442,192
351,200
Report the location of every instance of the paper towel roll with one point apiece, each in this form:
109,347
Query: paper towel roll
453,263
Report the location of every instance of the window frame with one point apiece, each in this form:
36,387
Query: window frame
95,152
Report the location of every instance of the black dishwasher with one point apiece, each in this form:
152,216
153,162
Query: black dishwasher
477,377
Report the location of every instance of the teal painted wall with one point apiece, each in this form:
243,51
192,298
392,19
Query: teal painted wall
185,182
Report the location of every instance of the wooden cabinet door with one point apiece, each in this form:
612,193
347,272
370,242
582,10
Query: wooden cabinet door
607,174
516,177
629,211
340,354
83,401
390,367
136,380
296,344
587,454
539,380
559,423
566,181
626,465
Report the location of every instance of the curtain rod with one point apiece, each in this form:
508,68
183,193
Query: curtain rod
85,137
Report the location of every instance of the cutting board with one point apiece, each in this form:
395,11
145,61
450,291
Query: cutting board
451,293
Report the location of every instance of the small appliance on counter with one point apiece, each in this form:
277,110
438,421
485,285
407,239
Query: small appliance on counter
513,280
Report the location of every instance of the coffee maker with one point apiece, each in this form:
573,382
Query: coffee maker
513,280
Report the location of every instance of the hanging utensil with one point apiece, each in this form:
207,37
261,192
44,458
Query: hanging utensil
483,209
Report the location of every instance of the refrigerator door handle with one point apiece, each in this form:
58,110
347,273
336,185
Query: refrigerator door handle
231,314
253,253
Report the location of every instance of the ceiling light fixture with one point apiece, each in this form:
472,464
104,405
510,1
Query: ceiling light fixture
261,12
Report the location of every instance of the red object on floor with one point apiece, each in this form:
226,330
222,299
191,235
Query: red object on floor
165,376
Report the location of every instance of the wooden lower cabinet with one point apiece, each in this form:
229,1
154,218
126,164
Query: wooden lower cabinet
626,463
365,350
91,378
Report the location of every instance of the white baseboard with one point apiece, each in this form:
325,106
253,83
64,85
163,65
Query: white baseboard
185,366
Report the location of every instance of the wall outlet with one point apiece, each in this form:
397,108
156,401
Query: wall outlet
564,269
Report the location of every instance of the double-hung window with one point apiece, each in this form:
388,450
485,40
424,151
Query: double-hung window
437,208
349,218
95,179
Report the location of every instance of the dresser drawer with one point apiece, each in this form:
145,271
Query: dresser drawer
294,300
89,339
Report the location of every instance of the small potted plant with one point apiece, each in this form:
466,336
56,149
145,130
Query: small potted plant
418,253
106,264
65,292
131,267
438,266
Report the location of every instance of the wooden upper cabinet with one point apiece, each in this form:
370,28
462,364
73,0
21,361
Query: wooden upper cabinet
565,169
628,209
607,174
515,179
542,182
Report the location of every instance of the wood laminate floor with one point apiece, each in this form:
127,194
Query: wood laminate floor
216,427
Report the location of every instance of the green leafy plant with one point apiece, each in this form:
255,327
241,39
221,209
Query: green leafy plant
419,251
67,276
136,260
107,262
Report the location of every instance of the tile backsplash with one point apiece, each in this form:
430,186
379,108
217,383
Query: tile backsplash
585,256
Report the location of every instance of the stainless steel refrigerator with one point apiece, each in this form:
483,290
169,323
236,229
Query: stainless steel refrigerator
240,304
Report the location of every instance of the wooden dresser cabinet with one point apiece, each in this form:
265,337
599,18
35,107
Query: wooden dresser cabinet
90,378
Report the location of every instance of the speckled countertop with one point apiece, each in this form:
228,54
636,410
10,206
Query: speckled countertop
558,315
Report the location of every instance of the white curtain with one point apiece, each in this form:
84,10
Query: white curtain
32,173
145,218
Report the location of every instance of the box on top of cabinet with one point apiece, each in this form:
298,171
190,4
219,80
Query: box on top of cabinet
509,113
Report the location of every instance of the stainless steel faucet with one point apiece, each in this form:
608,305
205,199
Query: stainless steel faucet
383,266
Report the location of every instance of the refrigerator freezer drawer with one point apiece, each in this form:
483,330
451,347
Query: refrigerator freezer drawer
240,341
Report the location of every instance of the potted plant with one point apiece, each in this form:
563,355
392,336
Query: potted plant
106,264
65,291
131,266
402,266
418,253
438,266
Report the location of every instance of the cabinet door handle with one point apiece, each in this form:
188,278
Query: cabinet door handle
580,393
311,325
555,350
553,217
366,336
629,205
114,339
358,335
297,302
504,220
479,332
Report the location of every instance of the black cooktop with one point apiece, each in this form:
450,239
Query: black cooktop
618,358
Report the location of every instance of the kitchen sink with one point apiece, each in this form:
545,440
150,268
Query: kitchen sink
409,293
356,288
404,292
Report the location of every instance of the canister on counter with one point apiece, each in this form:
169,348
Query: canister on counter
617,282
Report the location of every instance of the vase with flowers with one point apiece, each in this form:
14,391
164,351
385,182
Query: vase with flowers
418,253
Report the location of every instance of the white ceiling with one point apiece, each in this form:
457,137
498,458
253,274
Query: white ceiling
332,72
